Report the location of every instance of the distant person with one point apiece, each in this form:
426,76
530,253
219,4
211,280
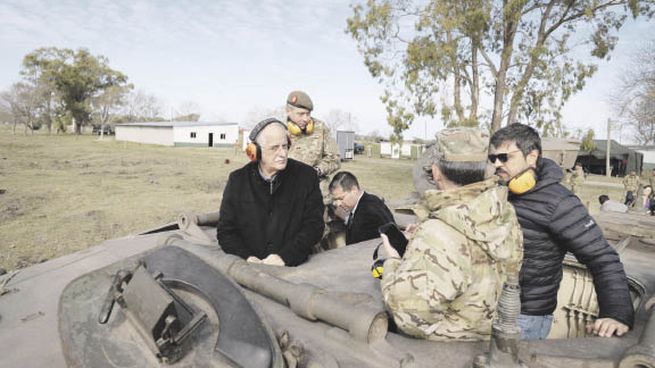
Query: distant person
311,140
651,179
272,209
446,285
631,184
366,212
608,205
577,179
555,222
647,201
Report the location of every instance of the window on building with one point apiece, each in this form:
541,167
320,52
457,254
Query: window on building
222,135
193,134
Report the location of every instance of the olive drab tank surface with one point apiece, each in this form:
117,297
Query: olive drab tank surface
171,297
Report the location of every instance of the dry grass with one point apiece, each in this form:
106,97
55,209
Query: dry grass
66,193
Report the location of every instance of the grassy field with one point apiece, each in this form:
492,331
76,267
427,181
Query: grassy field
66,193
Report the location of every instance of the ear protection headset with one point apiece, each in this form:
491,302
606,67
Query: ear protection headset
295,129
522,182
253,150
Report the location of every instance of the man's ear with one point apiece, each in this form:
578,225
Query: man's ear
532,157
437,176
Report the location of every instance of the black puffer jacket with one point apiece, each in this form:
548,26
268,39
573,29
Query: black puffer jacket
554,222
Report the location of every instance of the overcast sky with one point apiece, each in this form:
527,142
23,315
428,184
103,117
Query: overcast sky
231,57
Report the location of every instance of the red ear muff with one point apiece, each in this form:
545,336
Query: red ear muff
252,151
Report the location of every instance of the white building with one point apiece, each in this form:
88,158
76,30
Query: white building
180,133
406,150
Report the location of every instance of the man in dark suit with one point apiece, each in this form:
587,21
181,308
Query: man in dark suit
366,212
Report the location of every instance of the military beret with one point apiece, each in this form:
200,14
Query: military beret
263,124
300,99
460,145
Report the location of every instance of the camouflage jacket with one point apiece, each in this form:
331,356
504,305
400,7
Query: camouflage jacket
447,284
631,183
318,150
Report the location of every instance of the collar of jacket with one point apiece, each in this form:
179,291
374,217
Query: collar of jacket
272,185
434,199
548,172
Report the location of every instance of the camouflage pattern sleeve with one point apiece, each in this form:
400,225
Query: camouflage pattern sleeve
434,271
330,161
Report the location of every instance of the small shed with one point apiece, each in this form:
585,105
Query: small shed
346,144
180,133
649,156
622,159
406,150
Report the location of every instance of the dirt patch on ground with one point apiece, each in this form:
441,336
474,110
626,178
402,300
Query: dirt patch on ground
10,209
212,186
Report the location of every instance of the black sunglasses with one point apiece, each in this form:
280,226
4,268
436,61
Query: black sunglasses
503,157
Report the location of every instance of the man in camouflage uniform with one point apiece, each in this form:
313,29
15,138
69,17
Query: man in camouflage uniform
446,285
577,179
631,185
311,141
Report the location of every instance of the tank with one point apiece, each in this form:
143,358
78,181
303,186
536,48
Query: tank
170,297
564,151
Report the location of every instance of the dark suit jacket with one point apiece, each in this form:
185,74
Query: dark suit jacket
370,214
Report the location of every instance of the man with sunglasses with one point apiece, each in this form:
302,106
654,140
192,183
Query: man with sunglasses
555,222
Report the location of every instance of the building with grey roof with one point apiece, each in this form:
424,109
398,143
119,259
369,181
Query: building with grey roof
180,133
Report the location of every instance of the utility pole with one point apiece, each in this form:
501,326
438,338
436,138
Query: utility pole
608,172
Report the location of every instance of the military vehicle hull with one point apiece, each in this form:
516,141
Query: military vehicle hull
322,313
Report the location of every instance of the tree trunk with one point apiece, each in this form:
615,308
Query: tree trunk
457,79
512,14
529,69
475,82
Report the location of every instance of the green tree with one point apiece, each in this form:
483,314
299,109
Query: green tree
442,55
187,117
23,105
108,104
588,141
77,76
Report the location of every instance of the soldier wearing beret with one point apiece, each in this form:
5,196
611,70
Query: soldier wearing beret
311,141
272,209
447,284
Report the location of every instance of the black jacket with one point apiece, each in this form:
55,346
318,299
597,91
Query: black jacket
554,222
370,214
284,217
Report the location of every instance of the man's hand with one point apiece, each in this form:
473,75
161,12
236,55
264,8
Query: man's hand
273,260
607,327
389,251
410,230
253,259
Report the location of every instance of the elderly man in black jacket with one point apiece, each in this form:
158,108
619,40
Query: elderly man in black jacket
272,208
554,222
